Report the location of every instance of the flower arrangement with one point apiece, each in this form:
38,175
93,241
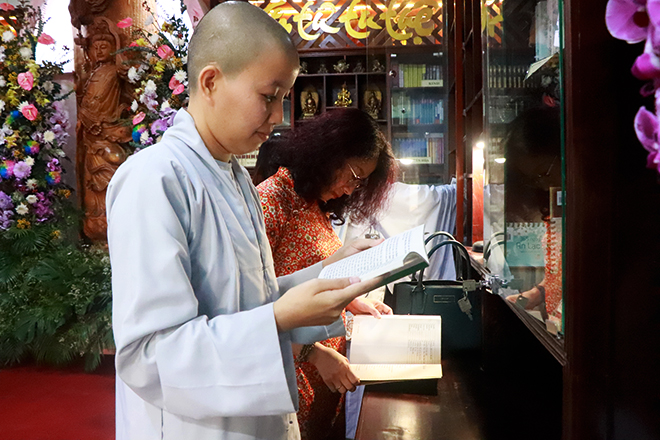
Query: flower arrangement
159,72
33,124
635,21
55,296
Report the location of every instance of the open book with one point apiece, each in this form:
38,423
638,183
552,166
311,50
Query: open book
394,258
395,347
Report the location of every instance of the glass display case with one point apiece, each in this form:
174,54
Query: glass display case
523,161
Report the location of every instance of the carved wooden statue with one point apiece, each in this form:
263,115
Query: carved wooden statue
102,98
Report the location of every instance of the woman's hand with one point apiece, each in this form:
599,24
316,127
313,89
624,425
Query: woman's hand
350,248
534,297
334,369
366,306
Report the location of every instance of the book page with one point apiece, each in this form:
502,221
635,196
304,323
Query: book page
381,259
392,372
396,339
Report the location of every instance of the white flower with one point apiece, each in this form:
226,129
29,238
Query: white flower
2,105
61,153
133,74
144,137
49,136
31,183
148,56
3,82
22,209
150,87
180,75
149,21
153,39
48,86
184,59
28,160
134,106
32,199
2,53
22,105
7,36
164,106
26,52
177,41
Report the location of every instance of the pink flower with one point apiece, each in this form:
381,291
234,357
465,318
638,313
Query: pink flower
126,22
176,87
138,118
26,80
45,39
30,112
7,7
165,51
178,90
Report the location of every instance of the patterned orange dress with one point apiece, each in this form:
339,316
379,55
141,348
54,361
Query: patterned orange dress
301,235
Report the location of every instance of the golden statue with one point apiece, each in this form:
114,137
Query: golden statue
343,97
102,97
373,102
309,99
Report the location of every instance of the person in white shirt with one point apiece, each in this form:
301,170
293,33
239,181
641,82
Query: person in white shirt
202,326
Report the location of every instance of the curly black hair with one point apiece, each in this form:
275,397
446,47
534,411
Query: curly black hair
317,149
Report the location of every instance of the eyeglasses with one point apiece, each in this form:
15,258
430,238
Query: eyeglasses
357,181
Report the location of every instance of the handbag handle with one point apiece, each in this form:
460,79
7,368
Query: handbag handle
437,234
464,274
427,240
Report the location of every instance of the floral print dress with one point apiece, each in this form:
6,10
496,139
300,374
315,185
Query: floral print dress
301,235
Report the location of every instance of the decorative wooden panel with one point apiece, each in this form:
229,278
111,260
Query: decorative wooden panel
340,24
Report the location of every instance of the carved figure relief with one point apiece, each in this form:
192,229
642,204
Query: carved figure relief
103,96
309,99
373,99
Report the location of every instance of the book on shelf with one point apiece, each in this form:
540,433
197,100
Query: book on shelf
430,146
419,75
394,258
416,111
396,348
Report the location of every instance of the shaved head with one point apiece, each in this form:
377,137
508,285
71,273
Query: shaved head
233,35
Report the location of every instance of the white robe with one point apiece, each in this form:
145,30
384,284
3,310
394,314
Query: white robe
198,352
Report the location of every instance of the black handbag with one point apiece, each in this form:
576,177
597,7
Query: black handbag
454,300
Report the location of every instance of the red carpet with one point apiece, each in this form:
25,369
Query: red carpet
43,403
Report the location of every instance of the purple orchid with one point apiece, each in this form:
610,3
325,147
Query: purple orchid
5,201
635,21
6,219
53,165
646,127
628,19
158,127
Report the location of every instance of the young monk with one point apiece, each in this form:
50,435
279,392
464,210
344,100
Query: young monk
203,329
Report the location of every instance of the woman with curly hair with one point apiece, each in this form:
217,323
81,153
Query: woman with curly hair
335,166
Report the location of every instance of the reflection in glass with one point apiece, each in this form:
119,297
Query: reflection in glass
523,160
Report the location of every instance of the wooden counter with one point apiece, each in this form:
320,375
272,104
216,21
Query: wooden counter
452,414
